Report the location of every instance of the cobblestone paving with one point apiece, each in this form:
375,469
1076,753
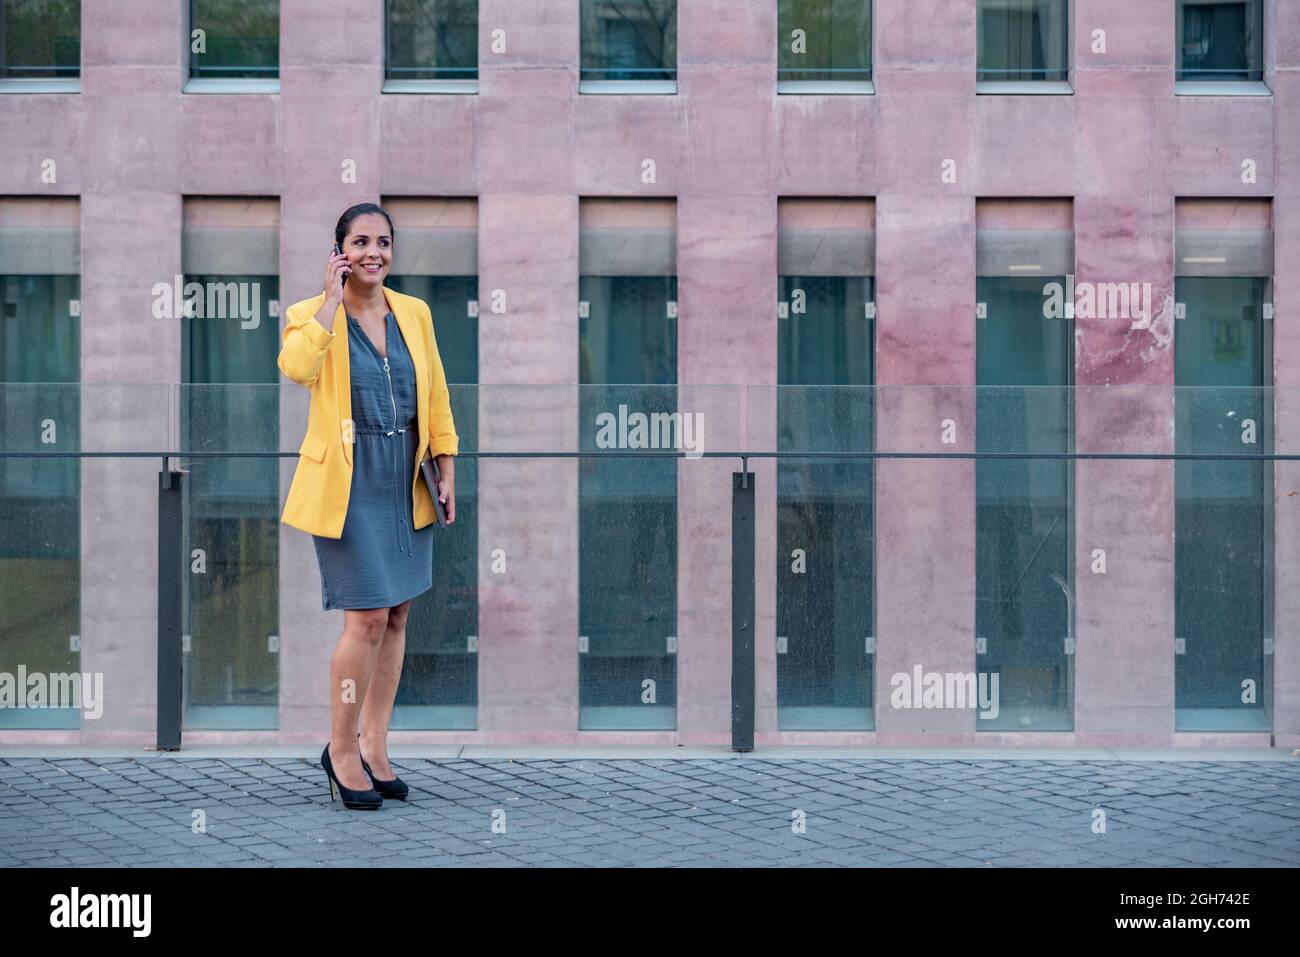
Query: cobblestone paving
742,811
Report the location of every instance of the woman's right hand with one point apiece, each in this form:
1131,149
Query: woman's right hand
334,270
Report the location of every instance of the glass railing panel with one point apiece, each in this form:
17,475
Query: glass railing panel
57,498
439,687
230,656
633,578
40,554
1223,541
825,559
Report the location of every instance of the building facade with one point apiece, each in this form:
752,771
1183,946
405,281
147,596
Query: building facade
1064,230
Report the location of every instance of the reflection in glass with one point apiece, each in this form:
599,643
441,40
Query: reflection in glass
1023,40
240,39
1221,41
823,40
432,40
825,532
1023,572
629,40
627,507
40,40
1223,514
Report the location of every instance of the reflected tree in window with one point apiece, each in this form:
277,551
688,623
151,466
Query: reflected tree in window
240,38
629,40
40,39
432,39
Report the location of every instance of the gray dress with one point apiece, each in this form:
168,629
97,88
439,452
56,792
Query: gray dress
381,560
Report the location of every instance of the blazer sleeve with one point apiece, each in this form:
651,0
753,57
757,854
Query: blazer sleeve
443,439
303,344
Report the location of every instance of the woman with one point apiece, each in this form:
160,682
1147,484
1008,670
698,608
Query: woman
378,401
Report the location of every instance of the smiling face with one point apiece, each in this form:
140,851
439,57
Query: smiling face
369,247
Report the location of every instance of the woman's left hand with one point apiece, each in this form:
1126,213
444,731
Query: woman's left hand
447,486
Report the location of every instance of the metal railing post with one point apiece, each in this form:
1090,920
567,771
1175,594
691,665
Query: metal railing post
742,611
171,565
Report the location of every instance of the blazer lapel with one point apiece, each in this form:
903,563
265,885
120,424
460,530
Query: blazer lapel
343,377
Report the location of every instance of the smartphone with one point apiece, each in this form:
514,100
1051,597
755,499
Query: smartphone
338,251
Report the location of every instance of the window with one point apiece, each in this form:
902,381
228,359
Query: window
627,506
1220,42
435,257
824,46
432,45
628,45
825,544
40,499
40,45
1223,514
1024,571
230,401
234,46
1023,46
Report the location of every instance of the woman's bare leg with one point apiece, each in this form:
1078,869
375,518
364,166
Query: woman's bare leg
377,711
351,669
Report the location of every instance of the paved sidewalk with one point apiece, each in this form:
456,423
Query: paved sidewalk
602,811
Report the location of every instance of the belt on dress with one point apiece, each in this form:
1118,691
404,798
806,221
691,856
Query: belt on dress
404,537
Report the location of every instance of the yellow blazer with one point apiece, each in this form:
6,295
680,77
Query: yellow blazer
312,357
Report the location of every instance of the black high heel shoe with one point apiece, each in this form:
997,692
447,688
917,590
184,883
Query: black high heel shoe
370,800
396,788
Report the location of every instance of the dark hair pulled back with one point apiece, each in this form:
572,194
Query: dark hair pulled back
361,209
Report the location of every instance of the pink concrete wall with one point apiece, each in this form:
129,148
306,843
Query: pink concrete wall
1285,158
725,147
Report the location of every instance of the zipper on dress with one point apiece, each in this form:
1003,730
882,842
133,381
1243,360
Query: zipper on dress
390,392
391,399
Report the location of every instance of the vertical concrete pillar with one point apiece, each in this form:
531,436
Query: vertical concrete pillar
1123,221
528,363
726,221
927,172
1285,83
127,169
